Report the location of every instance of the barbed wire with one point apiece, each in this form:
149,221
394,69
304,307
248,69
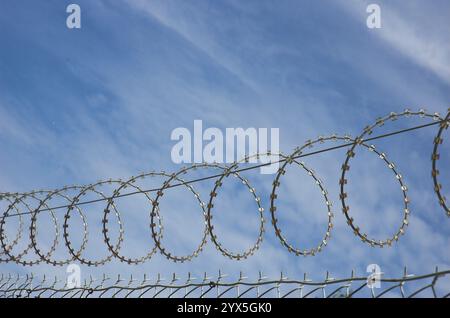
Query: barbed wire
374,285
36,202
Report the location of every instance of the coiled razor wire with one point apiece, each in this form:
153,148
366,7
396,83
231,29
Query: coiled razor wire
353,286
22,204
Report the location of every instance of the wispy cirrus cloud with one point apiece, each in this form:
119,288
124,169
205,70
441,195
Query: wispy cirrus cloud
408,29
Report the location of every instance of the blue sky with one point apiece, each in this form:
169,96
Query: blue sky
78,106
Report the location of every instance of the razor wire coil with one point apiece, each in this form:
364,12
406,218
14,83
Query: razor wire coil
16,201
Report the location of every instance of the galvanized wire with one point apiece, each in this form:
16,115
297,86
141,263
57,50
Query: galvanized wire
353,286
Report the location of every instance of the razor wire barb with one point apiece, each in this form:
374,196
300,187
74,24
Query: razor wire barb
405,286
36,202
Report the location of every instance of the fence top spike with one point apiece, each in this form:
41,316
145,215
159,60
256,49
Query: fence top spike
221,275
282,277
160,278
241,276
261,276
190,277
206,277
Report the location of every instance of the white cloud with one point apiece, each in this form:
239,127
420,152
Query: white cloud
411,34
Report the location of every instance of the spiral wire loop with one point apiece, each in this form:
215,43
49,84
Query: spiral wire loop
351,153
273,209
77,255
158,238
115,249
435,157
213,195
3,239
33,227
19,231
